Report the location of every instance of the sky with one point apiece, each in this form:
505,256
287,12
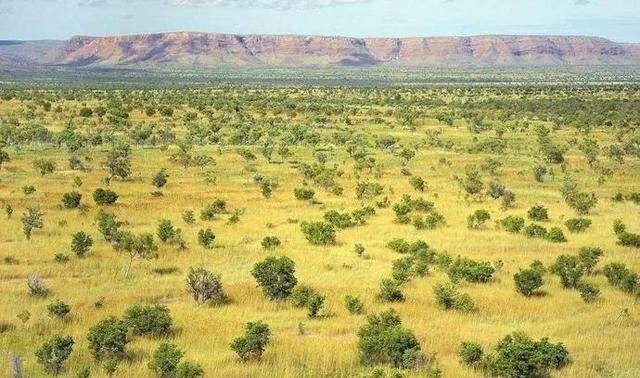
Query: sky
618,20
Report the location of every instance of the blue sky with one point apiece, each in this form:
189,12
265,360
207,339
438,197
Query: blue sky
618,20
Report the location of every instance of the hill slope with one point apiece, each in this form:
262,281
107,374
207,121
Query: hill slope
221,50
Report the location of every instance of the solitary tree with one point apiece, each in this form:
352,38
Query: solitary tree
252,344
54,352
142,246
118,162
31,219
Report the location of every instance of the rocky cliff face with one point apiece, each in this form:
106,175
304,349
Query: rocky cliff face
220,50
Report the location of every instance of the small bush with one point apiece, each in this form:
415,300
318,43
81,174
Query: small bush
187,369
353,304
108,339
36,286
535,231
528,281
383,340
470,353
253,343
569,269
319,233
54,353
149,320
339,220
518,355
188,217
104,197
538,213
589,257
628,239
165,360
588,291
301,294
304,194
512,224
470,270
390,291
270,242
619,276
211,210
555,235
418,183
478,219
449,298
206,238
71,200
276,277
58,309
577,225
205,286
81,243
401,271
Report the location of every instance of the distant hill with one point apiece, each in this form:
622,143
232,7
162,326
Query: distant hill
193,50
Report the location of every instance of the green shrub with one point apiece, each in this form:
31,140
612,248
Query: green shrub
383,340
206,238
528,281
390,291
621,277
304,194
577,225
276,277
418,183
108,339
449,298
71,200
535,231
589,257
478,219
165,360
54,353
628,239
588,291
353,304
253,343
159,180
402,269
270,242
569,269
470,270
104,197
518,355
538,213
205,286
58,309
399,246
81,242
149,320
187,369
319,233
512,223
470,353
555,235
211,210
338,220
315,303
301,294
188,217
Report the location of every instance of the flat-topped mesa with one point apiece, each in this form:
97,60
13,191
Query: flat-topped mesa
194,49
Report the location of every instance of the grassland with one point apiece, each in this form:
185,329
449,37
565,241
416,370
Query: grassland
601,337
